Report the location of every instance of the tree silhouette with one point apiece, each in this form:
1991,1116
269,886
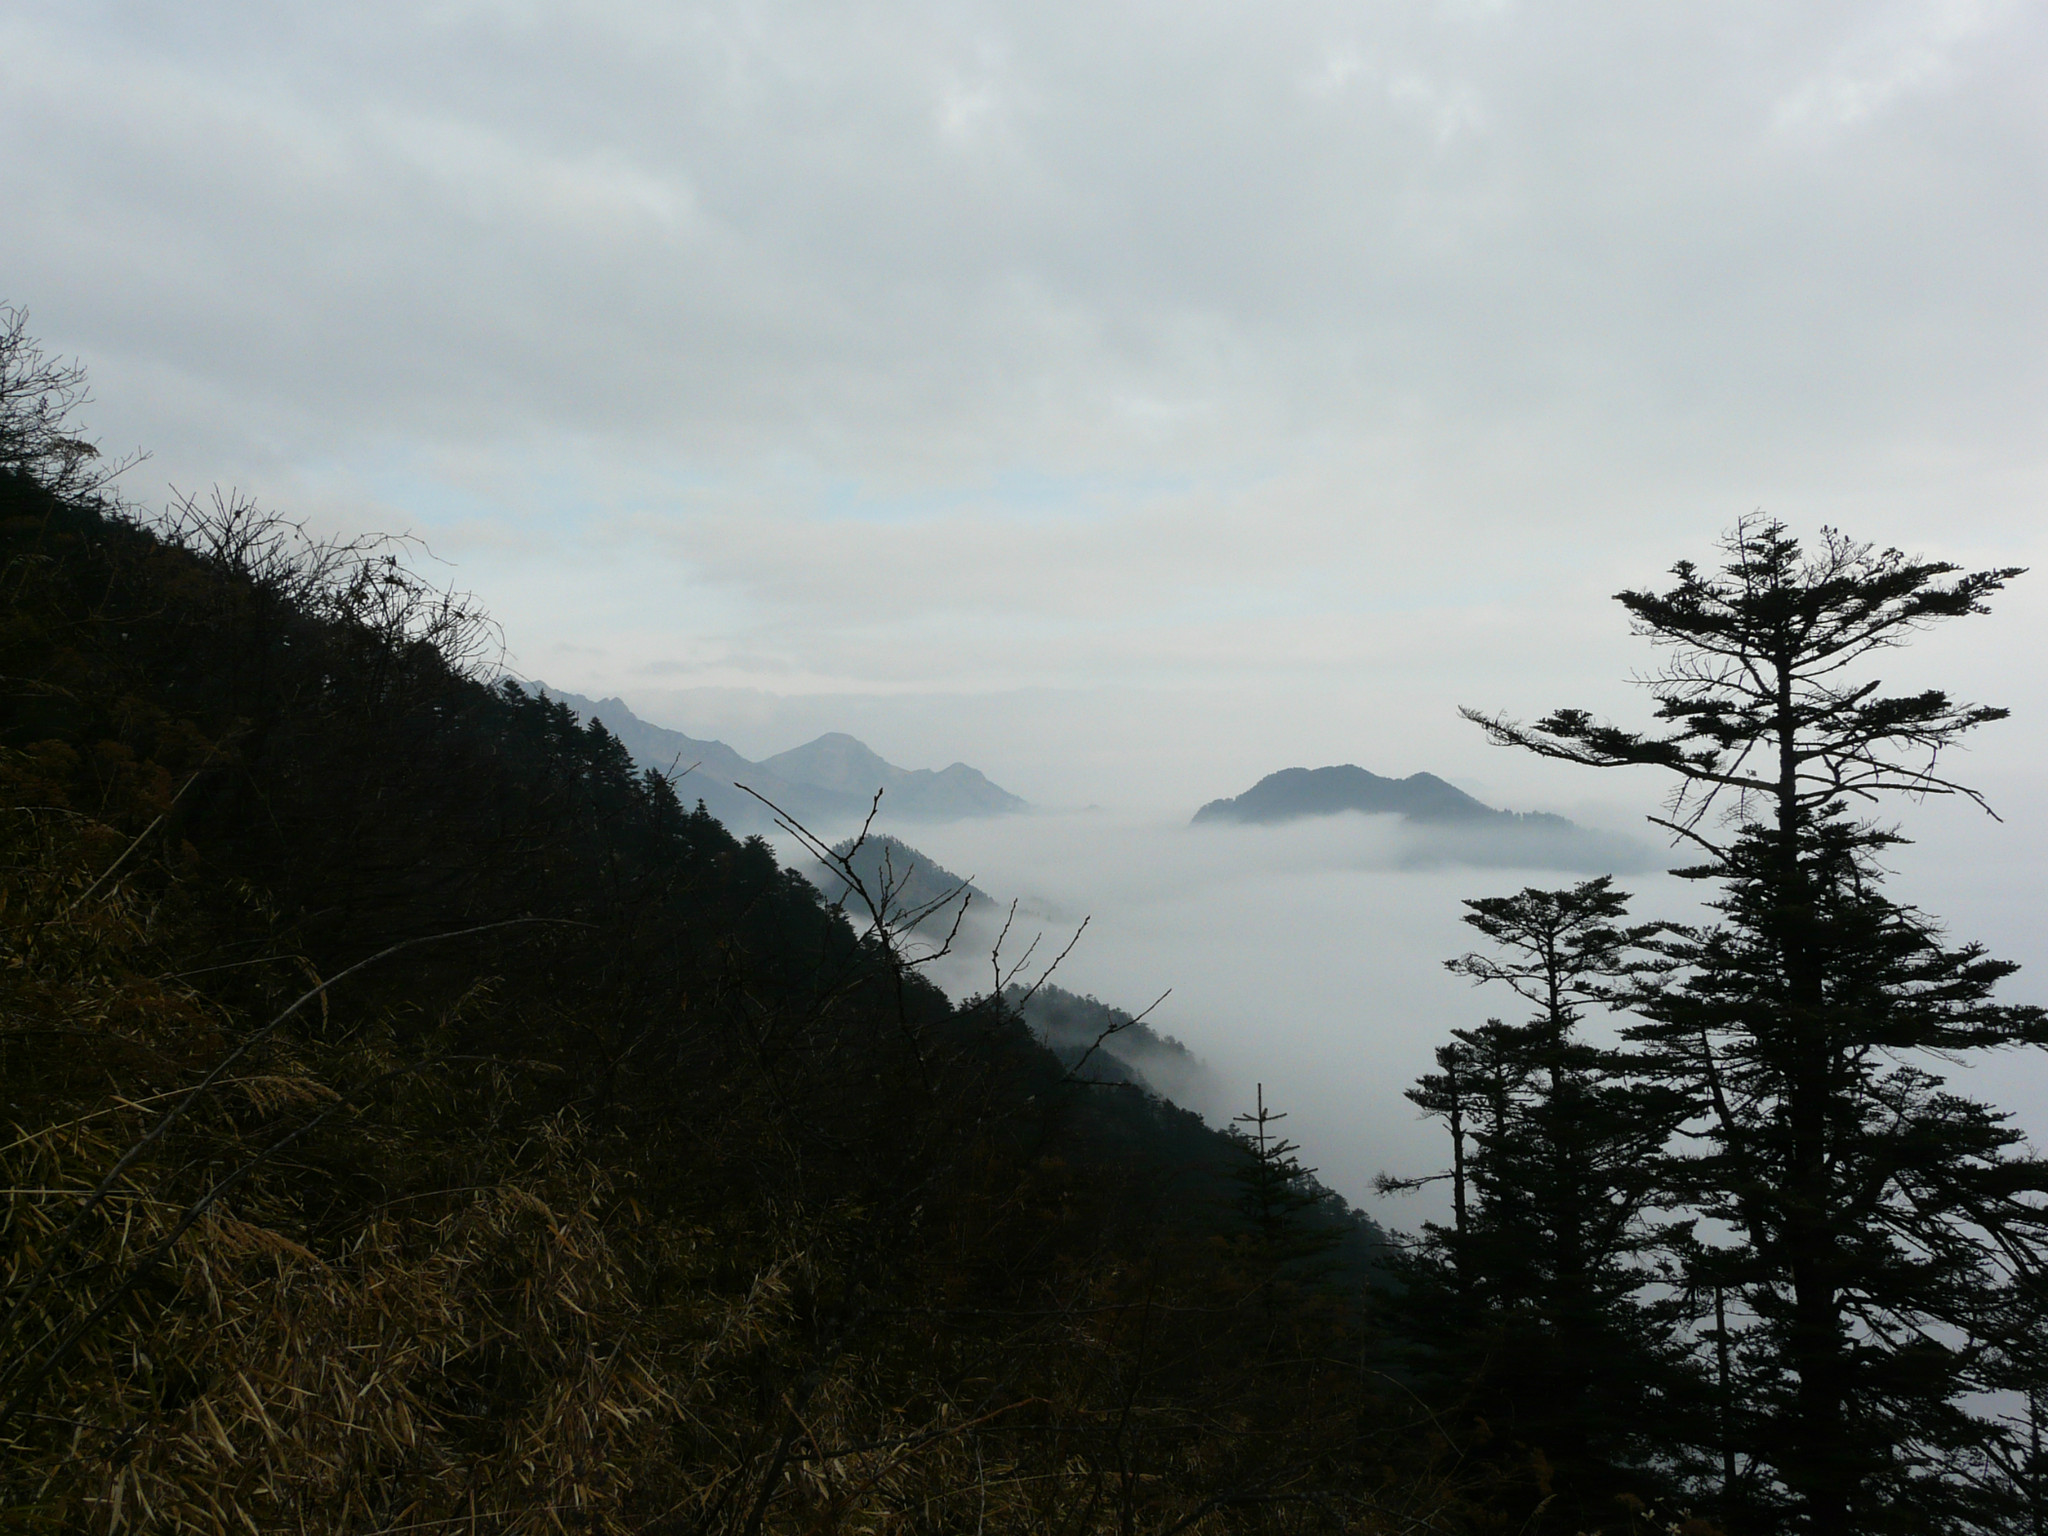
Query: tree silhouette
1873,1219
1537,1296
1277,1194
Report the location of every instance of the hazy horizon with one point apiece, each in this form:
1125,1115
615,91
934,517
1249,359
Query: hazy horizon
1126,400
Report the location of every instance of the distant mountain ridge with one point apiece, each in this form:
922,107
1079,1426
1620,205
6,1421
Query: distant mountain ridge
824,783
842,765
1296,792
1442,824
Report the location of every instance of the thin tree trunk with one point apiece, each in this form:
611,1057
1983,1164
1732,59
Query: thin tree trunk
1817,1469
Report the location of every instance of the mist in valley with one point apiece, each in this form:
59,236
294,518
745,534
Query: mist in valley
1308,957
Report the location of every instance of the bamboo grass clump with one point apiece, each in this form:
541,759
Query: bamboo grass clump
237,1378
476,1359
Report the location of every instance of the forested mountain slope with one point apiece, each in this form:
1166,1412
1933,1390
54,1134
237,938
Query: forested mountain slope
423,1122
1108,1041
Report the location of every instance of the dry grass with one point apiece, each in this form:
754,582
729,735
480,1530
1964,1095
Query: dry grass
200,1332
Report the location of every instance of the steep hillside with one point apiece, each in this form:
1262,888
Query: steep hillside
913,890
1107,1042
421,1120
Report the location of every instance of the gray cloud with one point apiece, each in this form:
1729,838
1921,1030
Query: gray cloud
905,242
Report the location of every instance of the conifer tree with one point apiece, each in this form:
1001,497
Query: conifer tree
1277,1193
1538,1292
1875,1220
1294,1220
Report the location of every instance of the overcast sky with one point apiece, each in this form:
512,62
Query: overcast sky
1128,398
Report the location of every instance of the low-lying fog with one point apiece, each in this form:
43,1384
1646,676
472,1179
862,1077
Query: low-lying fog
1309,956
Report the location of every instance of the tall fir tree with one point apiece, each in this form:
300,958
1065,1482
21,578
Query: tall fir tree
1543,1297
1866,1225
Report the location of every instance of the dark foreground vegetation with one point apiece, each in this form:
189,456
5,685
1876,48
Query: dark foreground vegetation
1761,1251
417,1120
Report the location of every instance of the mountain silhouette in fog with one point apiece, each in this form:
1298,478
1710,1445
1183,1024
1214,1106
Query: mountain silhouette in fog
1441,824
824,784
843,765
1296,792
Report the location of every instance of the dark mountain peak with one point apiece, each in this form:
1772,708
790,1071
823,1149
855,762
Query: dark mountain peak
845,765
1296,792
836,761
1442,824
